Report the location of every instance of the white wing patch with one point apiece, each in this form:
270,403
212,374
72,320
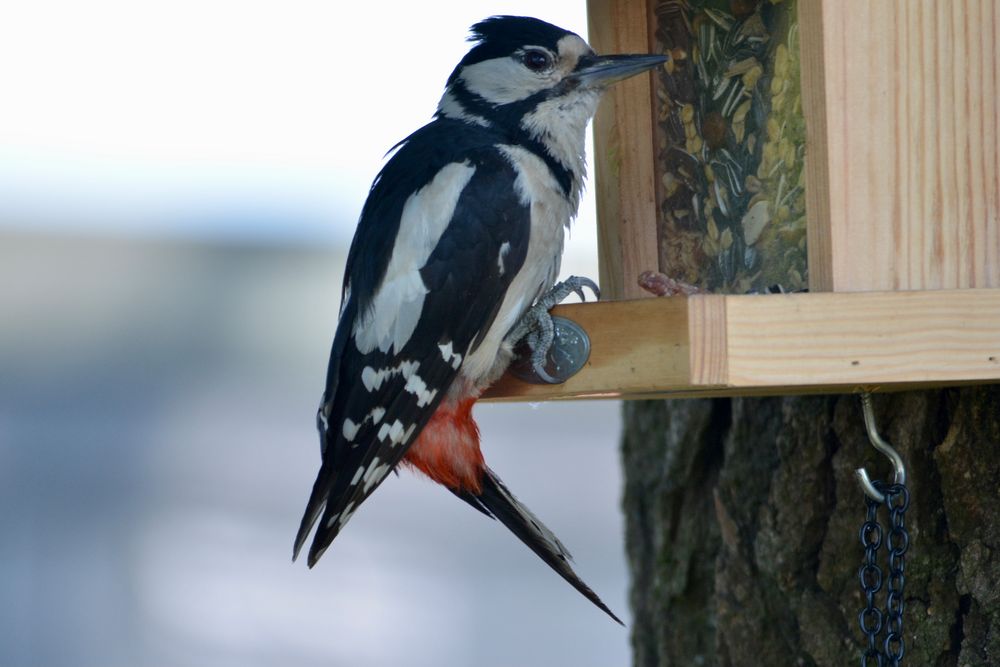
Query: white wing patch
397,304
450,356
416,386
504,249
375,474
345,516
357,475
372,379
350,429
393,431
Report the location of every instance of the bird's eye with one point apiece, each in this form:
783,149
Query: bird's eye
536,60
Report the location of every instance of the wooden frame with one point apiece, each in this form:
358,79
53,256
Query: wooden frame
722,345
623,161
902,106
903,118
903,200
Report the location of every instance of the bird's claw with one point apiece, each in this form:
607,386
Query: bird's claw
535,328
539,342
575,285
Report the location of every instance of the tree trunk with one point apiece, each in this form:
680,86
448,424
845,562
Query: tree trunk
742,520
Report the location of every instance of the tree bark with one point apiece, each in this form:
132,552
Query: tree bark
742,520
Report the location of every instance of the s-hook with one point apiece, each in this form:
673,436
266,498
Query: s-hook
884,447
885,642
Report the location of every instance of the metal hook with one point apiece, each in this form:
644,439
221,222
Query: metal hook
884,447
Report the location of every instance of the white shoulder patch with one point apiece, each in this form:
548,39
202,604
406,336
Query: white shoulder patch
399,300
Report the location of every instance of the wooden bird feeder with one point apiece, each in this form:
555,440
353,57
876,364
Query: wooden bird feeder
847,146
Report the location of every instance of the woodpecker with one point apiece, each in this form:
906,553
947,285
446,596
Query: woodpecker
455,258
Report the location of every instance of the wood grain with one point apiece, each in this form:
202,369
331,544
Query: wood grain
636,346
623,154
869,338
709,360
903,119
778,344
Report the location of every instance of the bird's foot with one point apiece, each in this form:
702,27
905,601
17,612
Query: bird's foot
537,330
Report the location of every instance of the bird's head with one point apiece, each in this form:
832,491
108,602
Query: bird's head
518,64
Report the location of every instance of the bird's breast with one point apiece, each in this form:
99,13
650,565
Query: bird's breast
551,212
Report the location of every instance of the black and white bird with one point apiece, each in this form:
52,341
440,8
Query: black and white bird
454,259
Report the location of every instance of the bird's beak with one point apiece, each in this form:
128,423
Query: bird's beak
600,71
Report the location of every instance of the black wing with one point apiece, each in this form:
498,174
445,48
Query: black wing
377,400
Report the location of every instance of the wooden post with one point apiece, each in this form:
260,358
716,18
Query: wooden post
623,160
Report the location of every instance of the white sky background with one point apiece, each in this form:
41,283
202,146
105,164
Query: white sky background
262,122
224,118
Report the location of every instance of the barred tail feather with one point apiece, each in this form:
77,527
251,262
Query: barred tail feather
498,501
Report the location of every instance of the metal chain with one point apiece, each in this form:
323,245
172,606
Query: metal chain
870,620
897,499
870,575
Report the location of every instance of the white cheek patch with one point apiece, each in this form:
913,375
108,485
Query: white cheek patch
504,80
398,303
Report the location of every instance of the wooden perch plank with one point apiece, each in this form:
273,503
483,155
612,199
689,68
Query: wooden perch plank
869,338
778,344
635,347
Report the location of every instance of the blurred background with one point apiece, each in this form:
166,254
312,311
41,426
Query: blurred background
178,185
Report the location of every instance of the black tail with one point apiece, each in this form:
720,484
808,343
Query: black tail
497,501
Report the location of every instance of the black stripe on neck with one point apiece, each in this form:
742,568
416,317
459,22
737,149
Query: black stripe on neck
507,119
